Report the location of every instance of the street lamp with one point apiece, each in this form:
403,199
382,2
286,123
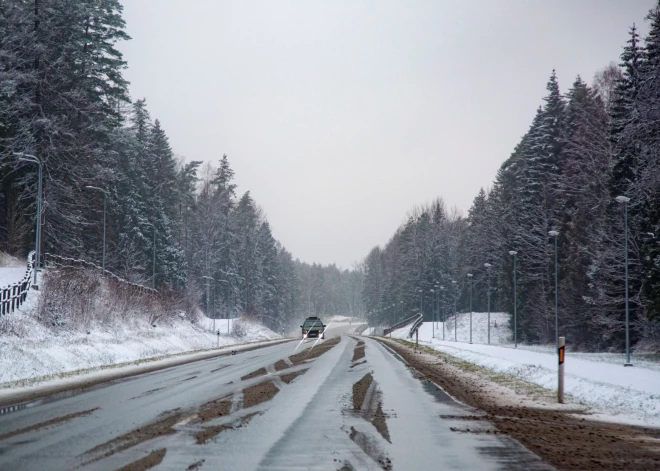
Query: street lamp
442,288
105,198
488,265
436,310
455,313
31,158
555,234
208,297
433,320
228,285
515,301
470,277
153,262
625,200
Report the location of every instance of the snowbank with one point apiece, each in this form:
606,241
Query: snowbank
614,392
500,333
30,350
11,275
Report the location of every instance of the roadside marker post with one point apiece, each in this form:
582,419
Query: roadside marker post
217,345
560,352
416,337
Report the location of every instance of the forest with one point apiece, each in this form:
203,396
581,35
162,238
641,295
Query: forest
179,224
583,149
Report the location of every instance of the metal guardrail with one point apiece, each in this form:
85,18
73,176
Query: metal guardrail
400,324
361,329
66,262
416,324
12,296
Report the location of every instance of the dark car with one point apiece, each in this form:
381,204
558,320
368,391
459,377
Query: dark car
313,327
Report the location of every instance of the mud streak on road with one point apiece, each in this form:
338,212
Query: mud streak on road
314,352
287,378
159,428
205,435
358,352
48,423
360,391
254,374
152,459
215,409
262,392
371,449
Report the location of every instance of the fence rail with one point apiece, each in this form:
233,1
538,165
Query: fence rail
65,262
12,296
400,324
416,324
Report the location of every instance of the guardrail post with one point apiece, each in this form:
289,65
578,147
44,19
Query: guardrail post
416,337
560,353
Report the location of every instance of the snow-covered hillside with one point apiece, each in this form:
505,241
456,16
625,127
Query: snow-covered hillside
459,328
31,350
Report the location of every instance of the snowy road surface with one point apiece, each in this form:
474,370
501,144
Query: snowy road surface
346,405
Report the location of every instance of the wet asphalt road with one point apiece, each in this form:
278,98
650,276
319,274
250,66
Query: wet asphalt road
306,422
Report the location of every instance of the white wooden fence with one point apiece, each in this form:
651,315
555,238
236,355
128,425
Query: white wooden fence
12,296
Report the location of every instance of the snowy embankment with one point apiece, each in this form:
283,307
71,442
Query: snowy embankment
44,352
612,391
32,352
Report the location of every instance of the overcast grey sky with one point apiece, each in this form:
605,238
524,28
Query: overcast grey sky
340,116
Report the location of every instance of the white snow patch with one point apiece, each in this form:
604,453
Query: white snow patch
11,275
29,350
614,392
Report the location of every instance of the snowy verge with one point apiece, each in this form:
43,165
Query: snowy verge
42,353
611,391
21,391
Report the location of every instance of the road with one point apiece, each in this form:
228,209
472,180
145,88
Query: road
350,403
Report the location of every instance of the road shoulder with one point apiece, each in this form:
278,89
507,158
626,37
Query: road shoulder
562,435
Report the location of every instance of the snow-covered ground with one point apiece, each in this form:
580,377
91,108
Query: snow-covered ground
612,391
11,275
31,352
45,352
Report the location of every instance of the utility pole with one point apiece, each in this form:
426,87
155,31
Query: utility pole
555,234
470,277
105,200
515,301
625,200
488,265
31,158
